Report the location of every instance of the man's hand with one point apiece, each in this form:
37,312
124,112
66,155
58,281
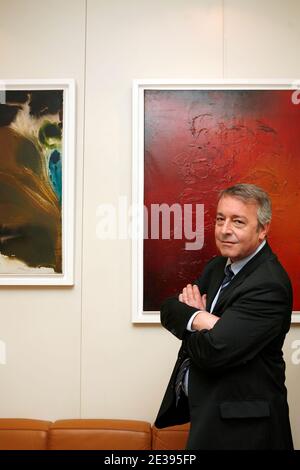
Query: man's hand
192,296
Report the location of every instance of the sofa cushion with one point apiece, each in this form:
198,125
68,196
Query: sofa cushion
23,434
99,434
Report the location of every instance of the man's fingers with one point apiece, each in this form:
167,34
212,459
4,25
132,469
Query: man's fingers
184,295
204,300
189,292
198,297
192,296
196,292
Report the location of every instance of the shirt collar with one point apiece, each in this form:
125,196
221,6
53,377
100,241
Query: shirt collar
238,265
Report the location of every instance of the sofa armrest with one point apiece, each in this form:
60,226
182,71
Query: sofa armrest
23,434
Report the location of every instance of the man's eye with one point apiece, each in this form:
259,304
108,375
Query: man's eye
239,222
219,219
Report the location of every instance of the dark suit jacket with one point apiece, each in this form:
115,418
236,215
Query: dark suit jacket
237,397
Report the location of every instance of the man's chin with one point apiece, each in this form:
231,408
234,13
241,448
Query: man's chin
227,249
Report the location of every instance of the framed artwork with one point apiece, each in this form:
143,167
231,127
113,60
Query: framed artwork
192,139
37,182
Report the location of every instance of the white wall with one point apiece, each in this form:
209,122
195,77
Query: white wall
42,326
73,352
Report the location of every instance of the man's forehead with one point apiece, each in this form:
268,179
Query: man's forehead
236,206
236,201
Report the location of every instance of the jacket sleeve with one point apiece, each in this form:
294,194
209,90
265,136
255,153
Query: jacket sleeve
243,330
175,315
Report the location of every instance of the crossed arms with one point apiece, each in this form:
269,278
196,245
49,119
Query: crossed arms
191,296
257,315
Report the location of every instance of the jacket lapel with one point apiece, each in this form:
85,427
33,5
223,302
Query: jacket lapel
264,254
215,282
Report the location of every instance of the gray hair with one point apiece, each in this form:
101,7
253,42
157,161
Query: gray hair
250,192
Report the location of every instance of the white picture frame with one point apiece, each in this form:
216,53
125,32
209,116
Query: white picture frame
138,91
30,275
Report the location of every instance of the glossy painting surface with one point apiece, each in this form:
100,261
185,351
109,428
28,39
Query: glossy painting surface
31,181
198,142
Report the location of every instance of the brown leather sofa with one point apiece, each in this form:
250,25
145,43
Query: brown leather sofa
89,434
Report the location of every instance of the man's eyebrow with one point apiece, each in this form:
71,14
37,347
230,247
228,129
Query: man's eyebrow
240,217
233,216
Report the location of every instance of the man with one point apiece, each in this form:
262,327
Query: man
229,377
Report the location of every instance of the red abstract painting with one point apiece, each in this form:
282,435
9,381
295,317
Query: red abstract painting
198,142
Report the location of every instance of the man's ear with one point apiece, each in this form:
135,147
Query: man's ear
264,231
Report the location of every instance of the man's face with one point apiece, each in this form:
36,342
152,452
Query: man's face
237,231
